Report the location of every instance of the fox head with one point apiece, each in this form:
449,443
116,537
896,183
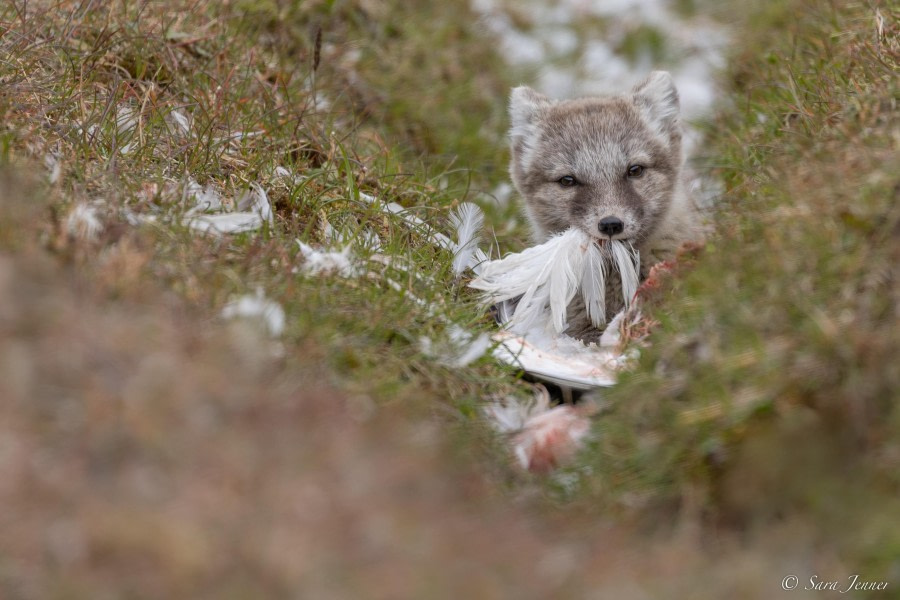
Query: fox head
607,165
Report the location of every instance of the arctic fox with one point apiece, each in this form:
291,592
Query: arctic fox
611,166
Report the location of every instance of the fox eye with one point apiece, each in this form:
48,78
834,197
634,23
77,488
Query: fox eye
567,181
635,171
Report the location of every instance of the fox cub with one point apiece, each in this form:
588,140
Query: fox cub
610,166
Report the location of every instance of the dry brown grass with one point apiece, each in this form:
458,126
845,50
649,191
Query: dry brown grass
150,449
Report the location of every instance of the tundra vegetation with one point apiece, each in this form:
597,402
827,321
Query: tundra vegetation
151,448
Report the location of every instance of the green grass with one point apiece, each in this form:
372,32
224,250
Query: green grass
248,77
150,449
769,391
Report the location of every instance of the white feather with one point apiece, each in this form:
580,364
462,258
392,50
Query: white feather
479,257
627,261
505,311
565,278
467,220
543,280
514,274
593,285
545,276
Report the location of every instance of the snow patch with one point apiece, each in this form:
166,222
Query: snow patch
551,33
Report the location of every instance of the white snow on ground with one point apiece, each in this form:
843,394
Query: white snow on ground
572,46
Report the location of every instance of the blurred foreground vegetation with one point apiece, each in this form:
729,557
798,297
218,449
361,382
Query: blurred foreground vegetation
149,449
768,397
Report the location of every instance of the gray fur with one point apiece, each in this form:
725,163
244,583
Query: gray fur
595,140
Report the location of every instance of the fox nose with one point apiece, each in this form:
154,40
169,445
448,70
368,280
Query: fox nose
611,226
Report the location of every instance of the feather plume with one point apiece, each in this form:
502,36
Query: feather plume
467,220
593,285
536,275
479,257
545,276
627,261
505,310
536,286
514,274
565,278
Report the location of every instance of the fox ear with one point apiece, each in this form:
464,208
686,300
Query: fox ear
657,98
525,106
